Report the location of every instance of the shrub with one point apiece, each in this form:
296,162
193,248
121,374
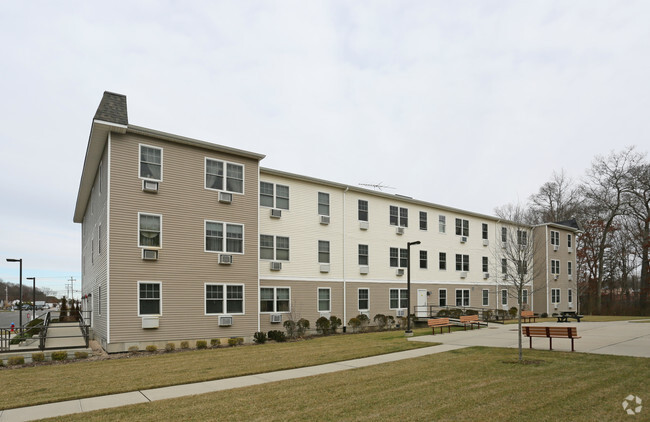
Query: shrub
185,344
38,357
259,337
391,321
365,321
544,315
487,314
335,323
151,348
83,355
170,347
471,312
2,363
455,313
59,355
302,326
215,342
201,344
16,360
240,340
380,320
290,326
277,335
234,341
323,325
355,324
513,312
443,313
134,349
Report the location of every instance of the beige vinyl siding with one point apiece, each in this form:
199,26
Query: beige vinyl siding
183,267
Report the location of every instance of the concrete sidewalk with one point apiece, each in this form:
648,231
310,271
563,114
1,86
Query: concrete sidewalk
614,338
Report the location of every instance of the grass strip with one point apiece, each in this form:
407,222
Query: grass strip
467,384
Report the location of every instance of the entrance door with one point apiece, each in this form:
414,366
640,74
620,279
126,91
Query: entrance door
422,310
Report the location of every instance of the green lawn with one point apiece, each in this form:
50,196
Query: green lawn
45,384
468,384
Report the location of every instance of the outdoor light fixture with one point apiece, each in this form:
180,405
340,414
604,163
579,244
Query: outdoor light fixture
21,290
408,286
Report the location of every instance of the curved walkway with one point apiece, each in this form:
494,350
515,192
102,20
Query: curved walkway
614,338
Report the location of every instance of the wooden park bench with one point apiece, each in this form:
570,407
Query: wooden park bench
470,320
439,322
528,315
550,333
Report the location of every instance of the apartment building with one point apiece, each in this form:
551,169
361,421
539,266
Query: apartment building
184,239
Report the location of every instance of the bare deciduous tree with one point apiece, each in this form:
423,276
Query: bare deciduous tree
557,200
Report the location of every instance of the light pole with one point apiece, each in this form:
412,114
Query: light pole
408,285
33,296
20,260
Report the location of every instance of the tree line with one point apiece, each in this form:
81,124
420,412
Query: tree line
12,292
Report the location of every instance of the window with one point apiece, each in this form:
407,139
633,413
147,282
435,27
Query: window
570,296
484,231
524,297
274,247
462,227
504,234
214,238
504,266
423,220
504,297
462,262
485,264
486,297
423,259
555,296
99,300
214,176
274,196
323,203
398,299
363,210
399,216
442,297
522,238
364,299
149,227
442,224
216,302
99,176
363,254
462,297
149,299
398,257
275,299
442,261
394,257
403,258
569,267
99,239
150,162
569,240
555,266
323,252
92,251
324,299
522,266
555,238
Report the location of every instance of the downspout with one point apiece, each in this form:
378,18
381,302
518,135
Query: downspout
345,288
108,243
259,309
548,309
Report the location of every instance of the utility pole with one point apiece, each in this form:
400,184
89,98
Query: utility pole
72,280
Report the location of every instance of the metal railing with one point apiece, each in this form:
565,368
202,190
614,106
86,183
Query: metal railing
487,315
42,331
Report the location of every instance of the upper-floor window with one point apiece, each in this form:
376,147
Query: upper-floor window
555,266
214,176
216,302
522,237
504,265
150,230
423,259
569,268
423,220
569,240
274,196
442,224
484,230
274,247
485,265
462,262
323,203
275,299
399,216
442,261
150,162
504,234
522,266
215,241
462,227
323,252
363,210
555,238
363,254
99,239
398,257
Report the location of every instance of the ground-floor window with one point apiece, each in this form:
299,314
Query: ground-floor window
555,295
220,297
486,297
364,299
149,298
275,299
504,297
324,299
442,297
462,297
398,298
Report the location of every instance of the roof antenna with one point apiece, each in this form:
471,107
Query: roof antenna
376,186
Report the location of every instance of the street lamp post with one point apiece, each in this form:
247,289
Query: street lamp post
33,296
408,285
20,260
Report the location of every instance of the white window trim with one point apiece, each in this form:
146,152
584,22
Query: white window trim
225,299
275,249
446,297
399,297
101,165
318,299
469,298
99,239
161,231
558,295
243,239
225,172
329,203
363,288
139,161
160,298
556,270
329,252
504,297
525,296
275,299
483,297
275,196
445,224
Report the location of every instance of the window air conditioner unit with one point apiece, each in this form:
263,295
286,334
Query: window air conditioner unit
276,213
555,306
363,225
400,312
570,305
324,268
150,322
363,269
556,247
555,277
150,186
463,274
225,197
463,239
225,259
324,314
400,271
505,277
486,242
569,249
276,266
324,219
225,321
149,254
276,318
486,275
399,230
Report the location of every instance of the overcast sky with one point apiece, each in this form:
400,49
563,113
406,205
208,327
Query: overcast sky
469,104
